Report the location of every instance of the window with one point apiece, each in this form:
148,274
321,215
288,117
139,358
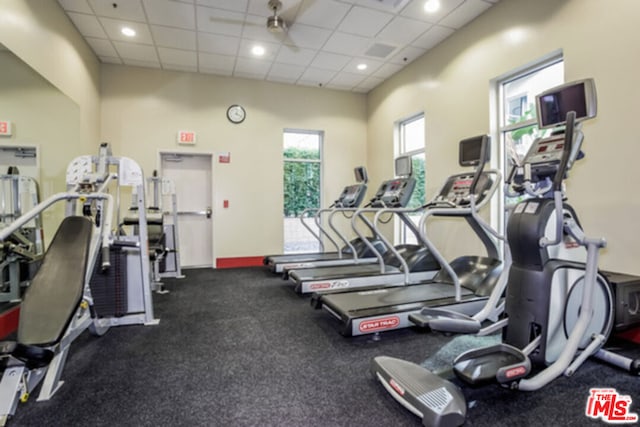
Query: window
410,142
302,153
517,114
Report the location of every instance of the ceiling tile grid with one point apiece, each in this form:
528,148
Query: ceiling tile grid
351,45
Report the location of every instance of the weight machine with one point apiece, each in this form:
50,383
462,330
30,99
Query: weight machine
21,253
90,278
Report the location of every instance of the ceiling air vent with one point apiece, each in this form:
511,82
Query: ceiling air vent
391,5
379,50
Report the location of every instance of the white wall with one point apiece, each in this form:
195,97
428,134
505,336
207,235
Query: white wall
53,99
142,109
451,85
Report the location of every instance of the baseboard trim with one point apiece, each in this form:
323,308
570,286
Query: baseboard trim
252,261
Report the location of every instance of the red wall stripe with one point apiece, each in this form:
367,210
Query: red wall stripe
252,261
9,321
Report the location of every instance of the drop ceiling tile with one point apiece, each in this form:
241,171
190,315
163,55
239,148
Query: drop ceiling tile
101,47
136,51
261,8
110,60
415,10
346,79
393,6
372,66
178,57
270,50
407,55
88,25
223,63
369,83
219,21
402,30
286,71
316,76
307,36
113,28
130,10
174,37
347,44
76,6
330,61
141,63
295,56
216,43
171,13
235,5
387,70
324,13
257,67
432,37
465,13
364,22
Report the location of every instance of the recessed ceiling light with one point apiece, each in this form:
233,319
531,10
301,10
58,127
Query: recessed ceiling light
432,6
129,32
362,67
257,50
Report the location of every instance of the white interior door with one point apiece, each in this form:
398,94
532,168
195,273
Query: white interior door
191,175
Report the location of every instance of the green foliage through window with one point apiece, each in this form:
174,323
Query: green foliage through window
301,181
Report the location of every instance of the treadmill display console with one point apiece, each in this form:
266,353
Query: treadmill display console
457,189
394,193
351,196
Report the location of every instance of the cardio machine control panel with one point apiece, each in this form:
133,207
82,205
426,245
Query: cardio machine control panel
394,193
456,192
351,196
544,156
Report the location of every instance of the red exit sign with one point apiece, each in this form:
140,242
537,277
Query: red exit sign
186,137
5,128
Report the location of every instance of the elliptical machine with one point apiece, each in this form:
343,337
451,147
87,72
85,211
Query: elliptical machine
559,309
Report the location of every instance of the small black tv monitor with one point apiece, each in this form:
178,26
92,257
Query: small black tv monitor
470,150
404,166
553,105
361,174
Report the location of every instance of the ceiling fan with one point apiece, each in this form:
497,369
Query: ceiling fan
275,23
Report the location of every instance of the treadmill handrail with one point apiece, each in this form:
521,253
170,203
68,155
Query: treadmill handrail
359,214
456,211
339,234
314,213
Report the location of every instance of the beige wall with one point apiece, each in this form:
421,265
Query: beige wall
40,34
142,109
451,85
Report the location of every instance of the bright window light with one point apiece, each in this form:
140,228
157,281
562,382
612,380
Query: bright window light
257,50
432,6
129,32
362,67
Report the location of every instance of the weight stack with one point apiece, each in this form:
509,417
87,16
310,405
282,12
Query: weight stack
109,287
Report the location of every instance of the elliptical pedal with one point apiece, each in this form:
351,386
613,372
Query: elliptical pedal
437,401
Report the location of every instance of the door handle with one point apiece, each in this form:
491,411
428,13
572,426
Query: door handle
208,212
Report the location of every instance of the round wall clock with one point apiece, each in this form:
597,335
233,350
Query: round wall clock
236,113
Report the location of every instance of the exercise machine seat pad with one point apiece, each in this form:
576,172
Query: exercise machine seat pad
52,298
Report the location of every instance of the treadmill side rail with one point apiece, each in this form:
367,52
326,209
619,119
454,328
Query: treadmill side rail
437,401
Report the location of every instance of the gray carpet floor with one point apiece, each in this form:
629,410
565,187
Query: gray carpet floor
239,347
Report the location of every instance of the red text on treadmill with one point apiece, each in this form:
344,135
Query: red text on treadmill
379,324
323,285
611,407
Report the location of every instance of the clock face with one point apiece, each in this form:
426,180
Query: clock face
236,114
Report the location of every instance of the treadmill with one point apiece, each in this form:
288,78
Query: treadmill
463,285
398,265
349,200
